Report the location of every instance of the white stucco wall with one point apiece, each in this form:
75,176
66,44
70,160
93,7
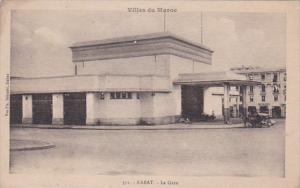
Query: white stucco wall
123,108
58,108
164,105
157,65
91,108
213,102
180,65
27,106
159,105
146,104
118,111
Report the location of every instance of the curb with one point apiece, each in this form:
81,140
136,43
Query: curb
134,127
39,146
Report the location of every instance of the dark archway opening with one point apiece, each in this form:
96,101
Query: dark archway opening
264,109
192,102
42,108
252,109
75,108
15,109
276,112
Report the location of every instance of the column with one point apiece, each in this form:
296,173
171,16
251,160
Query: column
26,109
244,102
57,109
270,110
91,118
238,103
226,103
283,113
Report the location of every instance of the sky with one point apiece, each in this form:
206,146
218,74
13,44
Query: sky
40,40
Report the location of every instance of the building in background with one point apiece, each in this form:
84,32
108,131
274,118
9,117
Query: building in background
269,96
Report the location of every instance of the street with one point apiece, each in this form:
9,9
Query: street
202,152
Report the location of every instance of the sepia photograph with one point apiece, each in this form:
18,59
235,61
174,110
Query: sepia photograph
148,91
130,93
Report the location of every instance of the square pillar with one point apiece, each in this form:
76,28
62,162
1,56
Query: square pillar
244,102
27,109
270,110
226,104
91,99
57,109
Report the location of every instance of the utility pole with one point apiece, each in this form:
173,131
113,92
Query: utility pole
164,21
201,27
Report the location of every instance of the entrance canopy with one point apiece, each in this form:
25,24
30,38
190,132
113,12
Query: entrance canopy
214,79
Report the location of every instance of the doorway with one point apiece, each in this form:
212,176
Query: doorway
276,112
192,102
75,108
252,109
42,108
15,109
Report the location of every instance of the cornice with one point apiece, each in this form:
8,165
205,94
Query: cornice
143,47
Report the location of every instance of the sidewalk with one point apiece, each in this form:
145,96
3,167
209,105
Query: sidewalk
178,126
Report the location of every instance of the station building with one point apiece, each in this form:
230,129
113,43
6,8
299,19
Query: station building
147,79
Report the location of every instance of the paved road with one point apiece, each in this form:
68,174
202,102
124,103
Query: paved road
201,152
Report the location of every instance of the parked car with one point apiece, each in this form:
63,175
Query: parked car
258,120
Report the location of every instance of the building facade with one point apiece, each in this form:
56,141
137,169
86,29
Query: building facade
269,96
147,79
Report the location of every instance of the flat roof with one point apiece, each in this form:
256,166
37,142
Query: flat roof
258,70
214,79
137,38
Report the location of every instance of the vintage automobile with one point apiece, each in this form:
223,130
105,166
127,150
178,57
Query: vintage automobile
258,120
207,117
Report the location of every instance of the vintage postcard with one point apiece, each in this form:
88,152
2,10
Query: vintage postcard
149,94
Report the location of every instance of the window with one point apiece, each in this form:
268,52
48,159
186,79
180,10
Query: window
251,98
275,97
284,77
275,78
275,88
263,98
251,89
263,88
101,96
137,95
284,97
75,69
263,76
123,95
129,95
112,95
120,95
250,77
